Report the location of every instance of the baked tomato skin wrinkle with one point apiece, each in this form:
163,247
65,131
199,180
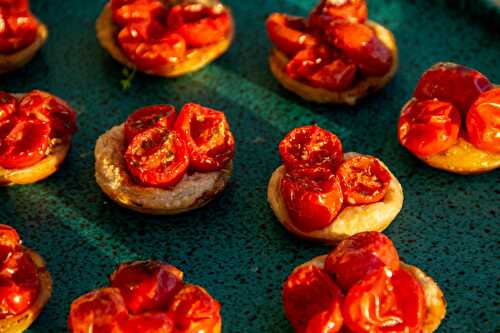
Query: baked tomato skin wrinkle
198,24
483,121
313,198
102,310
25,145
429,127
147,117
360,44
18,29
148,45
308,292
207,135
335,76
311,147
8,105
157,157
126,12
147,285
194,310
453,83
363,179
355,11
289,34
149,322
385,301
9,242
359,255
19,284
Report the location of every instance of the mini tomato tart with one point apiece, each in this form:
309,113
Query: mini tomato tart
25,284
361,286
21,34
146,297
452,121
321,193
335,55
162,163
35,136
165,38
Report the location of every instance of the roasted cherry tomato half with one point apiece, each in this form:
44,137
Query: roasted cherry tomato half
483,121
456,84
195,311
150,322
385,301
355,11
49,109
150,46
328,321
126,12
359,255
309,61
200,25
9,242
25,145
147,285
18,29
101,310
157,157
313,198
363,180
208,137
288,33
311,147
8,105
147,117
361,45
310,297
335,76
429,127
19,284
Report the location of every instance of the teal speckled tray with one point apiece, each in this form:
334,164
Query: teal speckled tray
234,247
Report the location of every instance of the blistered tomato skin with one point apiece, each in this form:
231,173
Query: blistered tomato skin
354,11
8,105
101,310
149,322
18,30
147,285
311,147
363,180
483,121
429,127
9,242
385,301
147,117
208,137
311,297
359,255
313,198
456,84
288,34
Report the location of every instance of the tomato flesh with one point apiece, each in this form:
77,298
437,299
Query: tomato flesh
363,180
311,147
147,117
18,28
207,135
452,83
152,322
8,105
313,198
9,242
288,34
429,127
355,11
336,76
194,310
126,12
483,121
157,157
147,285
311,298
385,301
359,255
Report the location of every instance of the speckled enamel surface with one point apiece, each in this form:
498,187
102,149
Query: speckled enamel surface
234,247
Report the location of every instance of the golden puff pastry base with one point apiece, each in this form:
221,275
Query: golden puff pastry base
194,191
366,86
11,62
434,298
351,219
195,59
20,323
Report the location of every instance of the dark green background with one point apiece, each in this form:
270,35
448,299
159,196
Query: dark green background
234,247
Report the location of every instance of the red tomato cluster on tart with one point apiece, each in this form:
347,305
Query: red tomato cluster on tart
451,101
31,126
19,280
146,297
154,34
332,48
319,183
163,146
361,289
18,26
